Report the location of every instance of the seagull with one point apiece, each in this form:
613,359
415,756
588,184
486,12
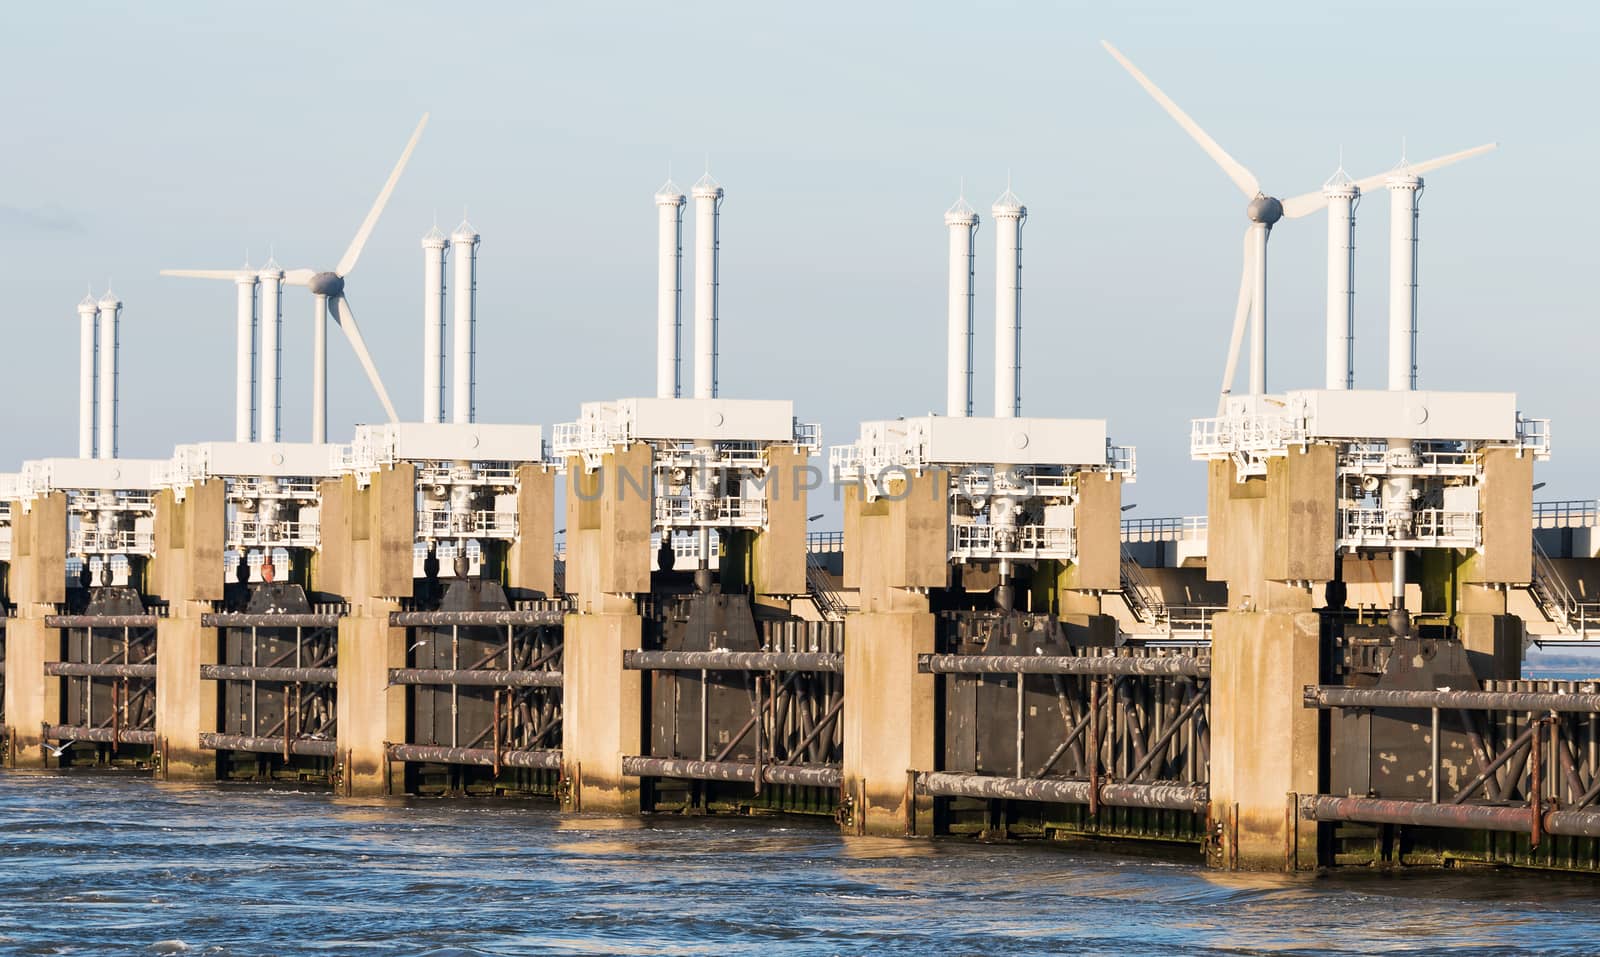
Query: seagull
418,644
56,751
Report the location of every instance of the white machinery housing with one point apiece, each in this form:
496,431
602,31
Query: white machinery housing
1013,487
1410,464
466,477
110,510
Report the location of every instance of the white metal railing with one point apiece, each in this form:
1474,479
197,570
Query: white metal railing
1122,459
679,512
1573,513
1192,620
1029,541
97,541
808,434
255,533
824,542
1422,528
1533,435
1376,458
1571,614
1229,434
261,487
1167,529
479,473
479,523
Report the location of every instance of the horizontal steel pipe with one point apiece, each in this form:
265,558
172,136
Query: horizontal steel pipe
1335,696
478,678
733,661
100,621
1472,817
1171,797
1180,665
482,757
70,732
315,676
235,619
79,669
437,619
648,767
318,747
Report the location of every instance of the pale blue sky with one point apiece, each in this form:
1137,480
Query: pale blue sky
185,134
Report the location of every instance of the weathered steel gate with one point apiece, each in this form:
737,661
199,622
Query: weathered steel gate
744,711
483,693
1037,736
277,689
107,672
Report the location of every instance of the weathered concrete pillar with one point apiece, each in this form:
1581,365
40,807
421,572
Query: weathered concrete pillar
187,571
1272,541
366,556
1098,526
608,563
1492,637
532,558
38,581
895,548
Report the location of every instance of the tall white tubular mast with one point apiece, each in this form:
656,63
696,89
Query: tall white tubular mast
962,222
464,254
1343,195
707,221
86,348
669,291
433,246
1405,189
110,307
1009,215
271,277
244,391
319,368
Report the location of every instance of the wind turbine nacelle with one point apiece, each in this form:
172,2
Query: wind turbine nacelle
1262,209
326,284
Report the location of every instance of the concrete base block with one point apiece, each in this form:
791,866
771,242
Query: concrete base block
603,711
888,721
30,696
185,705
1264,742
371,714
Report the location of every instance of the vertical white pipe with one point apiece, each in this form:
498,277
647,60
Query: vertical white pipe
1009,215
319,368
86,381
707,221
1258,313
1405,190
244,387
433,326
669,291
110,306
271,352
962,222
464,254
1341,332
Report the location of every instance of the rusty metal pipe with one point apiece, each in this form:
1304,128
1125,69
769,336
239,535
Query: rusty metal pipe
475,678
78,669
481,757
322,676
1171,797
1335,696
732,661
440,619
812,776
1187,665
239,619
100,621
69,732
316,747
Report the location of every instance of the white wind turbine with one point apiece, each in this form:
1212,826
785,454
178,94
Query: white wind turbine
328,289
1264,211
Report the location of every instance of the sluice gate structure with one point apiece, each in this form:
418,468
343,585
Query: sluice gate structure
633,616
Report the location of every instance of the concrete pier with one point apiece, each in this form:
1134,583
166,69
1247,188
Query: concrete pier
37,584
187,570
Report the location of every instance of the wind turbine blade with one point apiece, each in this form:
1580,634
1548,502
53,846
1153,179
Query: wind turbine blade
1240,317
1304,205
348,262
1242,178
203,273
299,277
339,309
1427,165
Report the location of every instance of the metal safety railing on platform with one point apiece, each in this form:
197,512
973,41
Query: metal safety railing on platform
1574,616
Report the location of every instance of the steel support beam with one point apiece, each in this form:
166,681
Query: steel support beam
648,767
1174,665
1171,797
733,661
476,678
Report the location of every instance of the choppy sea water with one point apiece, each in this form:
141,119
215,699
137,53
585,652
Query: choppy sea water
115,863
